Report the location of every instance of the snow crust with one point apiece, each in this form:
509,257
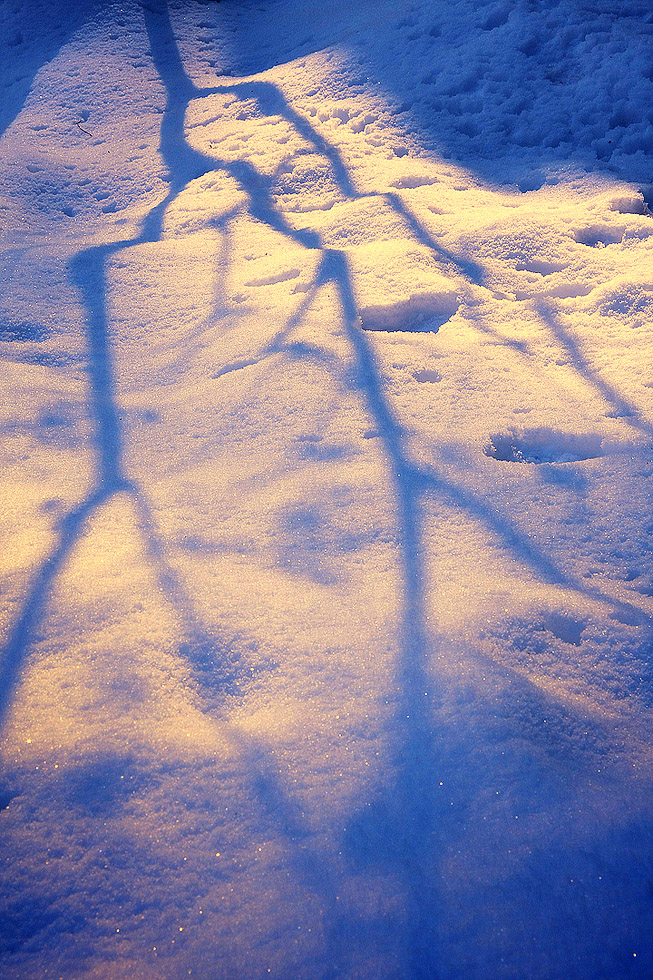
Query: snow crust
325,533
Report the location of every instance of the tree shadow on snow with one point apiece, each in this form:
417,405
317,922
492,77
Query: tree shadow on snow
407,828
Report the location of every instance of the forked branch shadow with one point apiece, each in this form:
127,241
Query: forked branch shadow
411,811
21,637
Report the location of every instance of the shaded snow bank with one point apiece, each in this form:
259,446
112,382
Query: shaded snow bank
509,90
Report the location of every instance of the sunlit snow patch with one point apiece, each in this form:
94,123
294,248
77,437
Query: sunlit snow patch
543,445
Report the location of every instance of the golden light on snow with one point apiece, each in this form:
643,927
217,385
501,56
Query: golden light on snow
325,490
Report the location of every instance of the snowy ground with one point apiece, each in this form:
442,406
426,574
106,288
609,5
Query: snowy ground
326,530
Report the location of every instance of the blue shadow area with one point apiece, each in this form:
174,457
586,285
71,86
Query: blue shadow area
510,88
42,28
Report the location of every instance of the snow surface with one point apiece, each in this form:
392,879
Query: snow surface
326,504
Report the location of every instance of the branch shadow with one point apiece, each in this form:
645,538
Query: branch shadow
408,825
472,271
20,639
621,407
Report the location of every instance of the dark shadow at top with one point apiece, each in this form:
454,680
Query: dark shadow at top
40,30
503,89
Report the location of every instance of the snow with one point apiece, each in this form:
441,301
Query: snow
326,500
